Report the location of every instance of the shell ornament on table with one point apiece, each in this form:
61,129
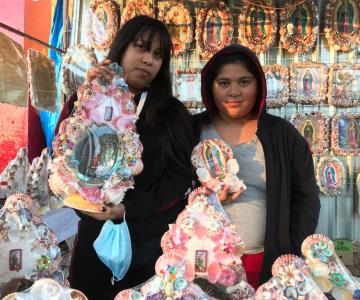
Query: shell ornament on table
215,165
327,269
204,236
291,280
46,289
28,247
97,149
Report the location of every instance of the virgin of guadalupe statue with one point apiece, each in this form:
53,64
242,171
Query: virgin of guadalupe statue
214,159
345,17
308,133
174,28
213,29
307,83
330,176
257,23
299,20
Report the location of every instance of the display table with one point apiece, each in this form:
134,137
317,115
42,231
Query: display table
63,221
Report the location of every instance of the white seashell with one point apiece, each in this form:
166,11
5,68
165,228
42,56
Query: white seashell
45,289
39,251
203,174
319,269
30,236
14,235
13,221
232,166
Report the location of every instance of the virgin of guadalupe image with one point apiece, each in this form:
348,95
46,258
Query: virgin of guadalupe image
100,25
308,83
352,136
299,20
214,159
176,26
330,176
213,29
345,18
257,23
308,133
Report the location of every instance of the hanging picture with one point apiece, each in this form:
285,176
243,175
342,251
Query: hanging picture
277,85
137,8
308,82
299,25
14,86
102,23
43,90
257,25
345,134
188,87
344,85
76,61
342,24
179,23
330,175
214,30
314,127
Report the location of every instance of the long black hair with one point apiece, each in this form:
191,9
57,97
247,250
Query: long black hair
161,107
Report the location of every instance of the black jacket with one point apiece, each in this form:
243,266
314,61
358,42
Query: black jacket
292,196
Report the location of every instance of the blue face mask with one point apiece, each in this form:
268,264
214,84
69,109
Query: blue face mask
113,247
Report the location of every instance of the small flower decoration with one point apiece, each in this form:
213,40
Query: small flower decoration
321,251
338,279
290,275
43,263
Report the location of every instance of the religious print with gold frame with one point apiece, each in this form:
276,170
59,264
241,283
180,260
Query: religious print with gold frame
179,22
76,61
214,29
330,175
342,24
102,23
308,82
277,85
188,88
345,133
257,25
314,127
137,8
299,25
344,84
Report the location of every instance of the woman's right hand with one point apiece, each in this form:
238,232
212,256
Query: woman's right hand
224,195
100,70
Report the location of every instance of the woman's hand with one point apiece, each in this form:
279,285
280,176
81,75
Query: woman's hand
100,70
225,196
108,212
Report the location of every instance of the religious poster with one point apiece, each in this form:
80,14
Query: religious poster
188,88
342,24
330,175
308,82
102,23
345,134
344,85
214,30
277,85
314,127
179,22
299,25
137,8
257,25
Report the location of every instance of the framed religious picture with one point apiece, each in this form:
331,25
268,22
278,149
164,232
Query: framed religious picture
277,85
345,133
102,23
308,82
76,61
342,24
179,23
257,25
188,88
330,175
15,260
214,29
344,84
137,8
299,25
314,127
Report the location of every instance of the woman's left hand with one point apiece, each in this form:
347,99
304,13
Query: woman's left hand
108,212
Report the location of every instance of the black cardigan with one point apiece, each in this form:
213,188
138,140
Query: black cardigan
292,195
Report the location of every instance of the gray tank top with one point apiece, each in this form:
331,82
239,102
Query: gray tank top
248,212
